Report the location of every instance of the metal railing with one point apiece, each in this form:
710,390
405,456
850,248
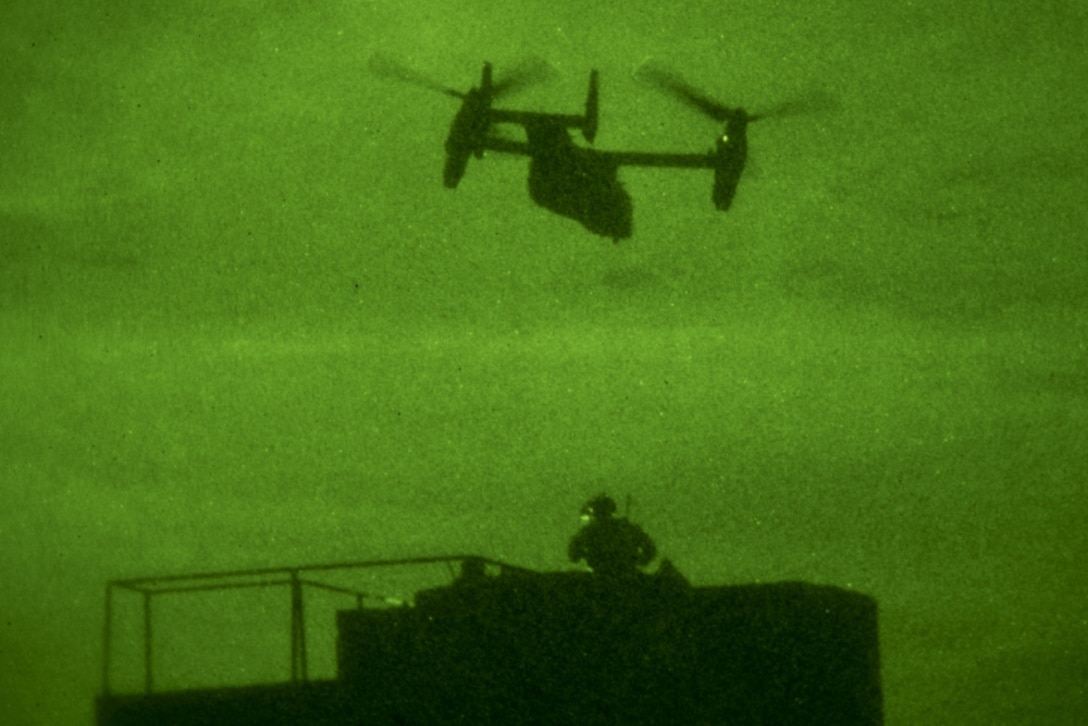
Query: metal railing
296,579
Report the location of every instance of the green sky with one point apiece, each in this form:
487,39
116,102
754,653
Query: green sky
244,324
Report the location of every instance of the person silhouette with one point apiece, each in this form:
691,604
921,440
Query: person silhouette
611,546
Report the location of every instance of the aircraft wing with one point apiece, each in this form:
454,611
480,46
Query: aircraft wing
640,158
620,158
507,146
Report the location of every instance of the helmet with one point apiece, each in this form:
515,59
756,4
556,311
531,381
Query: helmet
601,505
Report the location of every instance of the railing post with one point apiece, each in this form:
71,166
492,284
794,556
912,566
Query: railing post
107,640
148,683
298,630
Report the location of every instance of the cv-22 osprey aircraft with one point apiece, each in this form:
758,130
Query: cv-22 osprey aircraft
581,182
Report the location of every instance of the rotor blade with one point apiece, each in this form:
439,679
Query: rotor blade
815,101
675,86
386,67
528,72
